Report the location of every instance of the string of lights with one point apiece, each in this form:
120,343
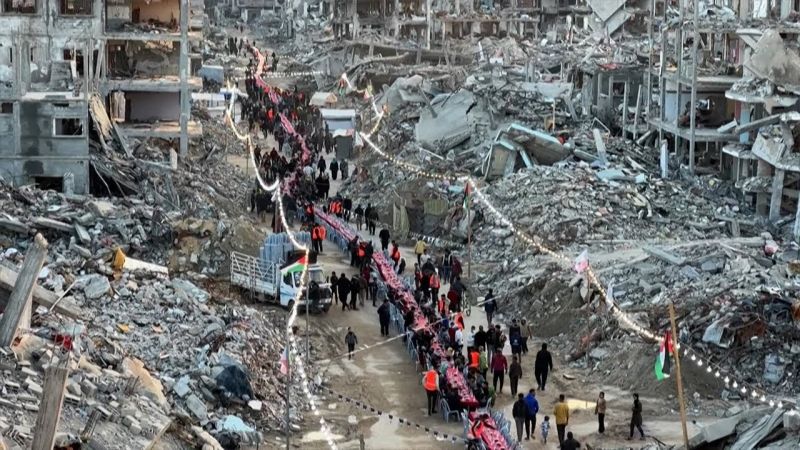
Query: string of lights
307,73
292,344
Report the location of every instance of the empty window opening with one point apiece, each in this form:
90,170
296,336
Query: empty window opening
6,108
19,6
49,183
75,7
77,56
68,127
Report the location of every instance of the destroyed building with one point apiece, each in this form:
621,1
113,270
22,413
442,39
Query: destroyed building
57,55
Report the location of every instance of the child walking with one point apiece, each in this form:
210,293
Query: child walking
351,340
545,428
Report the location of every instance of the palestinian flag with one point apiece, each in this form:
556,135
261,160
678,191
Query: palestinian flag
663,365
298,266
467,195
284,361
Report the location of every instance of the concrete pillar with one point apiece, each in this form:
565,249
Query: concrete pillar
762,202
777,195
429,25
184,79
786,8
396,17
796,227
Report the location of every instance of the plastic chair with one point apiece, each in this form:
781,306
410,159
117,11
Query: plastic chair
446,412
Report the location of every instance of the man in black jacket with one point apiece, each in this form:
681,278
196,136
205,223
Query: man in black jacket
384,237
344,290
542,366
383,317
519,411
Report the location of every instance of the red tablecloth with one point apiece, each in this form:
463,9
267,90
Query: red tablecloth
291,179
491,436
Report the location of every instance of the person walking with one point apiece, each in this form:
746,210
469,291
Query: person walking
531,409
525,331
561,411
383,317
570,443
545,429
321,166
395,254
334,291
514,374
542,366
520,411
600,411
419,249
499,368
355,289
334,167
483,362
636,417
434,283
490,306
351,340
430,381
384,238
344,290
359,213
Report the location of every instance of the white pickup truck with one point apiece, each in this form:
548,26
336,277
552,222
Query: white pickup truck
264,279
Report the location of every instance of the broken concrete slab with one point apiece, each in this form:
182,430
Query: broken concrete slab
101,208
664,255
44,222
95,286
197,407
14,225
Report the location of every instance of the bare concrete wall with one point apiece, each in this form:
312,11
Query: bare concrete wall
160,10
152,106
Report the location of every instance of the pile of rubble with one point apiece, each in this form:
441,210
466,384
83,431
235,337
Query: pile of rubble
651,242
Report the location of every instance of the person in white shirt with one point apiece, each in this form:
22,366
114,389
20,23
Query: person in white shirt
459,340
471,337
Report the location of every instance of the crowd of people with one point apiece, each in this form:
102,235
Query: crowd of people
475,353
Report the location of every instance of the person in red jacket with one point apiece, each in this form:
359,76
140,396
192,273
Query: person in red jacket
395,255
499,366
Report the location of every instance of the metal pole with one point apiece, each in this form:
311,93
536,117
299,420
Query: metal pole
308,344
469,245
288,391
678,379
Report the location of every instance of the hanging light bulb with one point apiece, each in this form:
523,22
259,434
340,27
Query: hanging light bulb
708,369
716,374
694,358
771,403
735,385
763,399
744,390
699,363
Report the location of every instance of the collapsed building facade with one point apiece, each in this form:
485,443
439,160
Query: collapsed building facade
67,64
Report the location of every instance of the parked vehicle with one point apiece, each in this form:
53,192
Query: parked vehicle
265,280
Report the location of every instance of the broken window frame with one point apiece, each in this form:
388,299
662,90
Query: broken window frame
61,135
6,108
7,8
62,8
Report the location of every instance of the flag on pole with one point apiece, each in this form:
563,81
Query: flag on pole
285,361
297,266
663,365
582,262
467,196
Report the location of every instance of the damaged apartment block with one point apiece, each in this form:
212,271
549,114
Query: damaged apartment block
67,66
